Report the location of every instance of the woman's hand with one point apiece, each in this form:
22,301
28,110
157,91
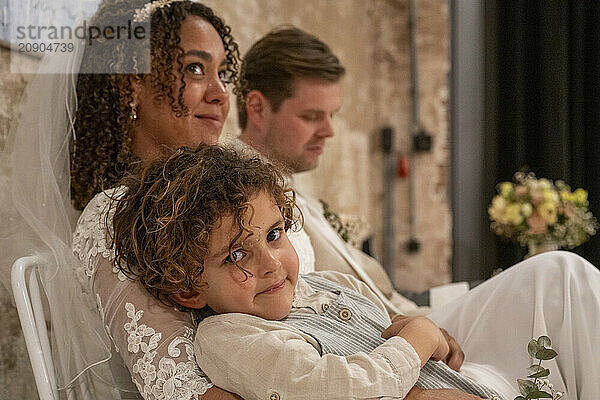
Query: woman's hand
439,394
215,393
455,356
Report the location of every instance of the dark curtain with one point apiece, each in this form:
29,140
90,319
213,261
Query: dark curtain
543,100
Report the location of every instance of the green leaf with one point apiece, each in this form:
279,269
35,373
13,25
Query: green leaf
545,354
544,341
541,374
526,387
535,368
533,347
520,398
538,394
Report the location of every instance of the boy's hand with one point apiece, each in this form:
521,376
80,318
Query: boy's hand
398,322
422,334
455,356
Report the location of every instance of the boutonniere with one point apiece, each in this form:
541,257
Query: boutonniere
352,229
335,221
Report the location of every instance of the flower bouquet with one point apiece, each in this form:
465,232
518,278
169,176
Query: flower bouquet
540,213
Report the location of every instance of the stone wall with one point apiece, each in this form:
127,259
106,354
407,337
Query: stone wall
391,97
372,40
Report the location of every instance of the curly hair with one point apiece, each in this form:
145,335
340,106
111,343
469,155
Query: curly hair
162,223
101,152
274,62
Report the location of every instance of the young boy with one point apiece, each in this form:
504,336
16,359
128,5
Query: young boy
206,229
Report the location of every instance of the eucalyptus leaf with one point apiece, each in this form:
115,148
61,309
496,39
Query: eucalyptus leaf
526,387
545,354
539,394
535,368
541,374
544,341
533,347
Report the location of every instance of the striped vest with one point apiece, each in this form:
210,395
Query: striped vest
352,323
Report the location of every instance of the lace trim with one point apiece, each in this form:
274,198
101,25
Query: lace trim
92,235
173,380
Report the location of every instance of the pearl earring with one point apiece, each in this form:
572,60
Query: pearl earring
134,108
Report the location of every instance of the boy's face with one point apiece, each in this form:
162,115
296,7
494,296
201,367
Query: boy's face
266,254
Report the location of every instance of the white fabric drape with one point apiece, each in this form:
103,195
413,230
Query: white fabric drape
555,294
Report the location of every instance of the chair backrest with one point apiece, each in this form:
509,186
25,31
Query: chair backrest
28,298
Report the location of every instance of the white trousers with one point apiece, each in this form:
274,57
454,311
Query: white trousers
555,294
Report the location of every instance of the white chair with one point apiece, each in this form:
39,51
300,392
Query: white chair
28,298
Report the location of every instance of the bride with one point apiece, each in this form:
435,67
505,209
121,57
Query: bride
79,132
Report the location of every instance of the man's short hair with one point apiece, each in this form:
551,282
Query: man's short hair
272,65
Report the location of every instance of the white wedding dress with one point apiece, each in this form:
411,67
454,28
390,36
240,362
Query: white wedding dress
555,294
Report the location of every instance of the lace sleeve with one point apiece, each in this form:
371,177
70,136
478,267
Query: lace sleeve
154,341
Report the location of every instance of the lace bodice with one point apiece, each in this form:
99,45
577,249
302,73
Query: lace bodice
154,341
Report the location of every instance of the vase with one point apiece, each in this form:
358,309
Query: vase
534,248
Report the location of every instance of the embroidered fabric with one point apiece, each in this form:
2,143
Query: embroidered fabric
155,342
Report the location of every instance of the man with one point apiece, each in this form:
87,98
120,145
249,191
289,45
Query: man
293,92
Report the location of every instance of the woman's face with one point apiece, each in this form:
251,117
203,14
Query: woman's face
204,70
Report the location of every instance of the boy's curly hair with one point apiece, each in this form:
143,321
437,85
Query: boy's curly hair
162,223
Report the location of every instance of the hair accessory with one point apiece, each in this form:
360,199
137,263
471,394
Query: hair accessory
143,14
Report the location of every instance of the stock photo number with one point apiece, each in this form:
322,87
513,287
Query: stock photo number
35,47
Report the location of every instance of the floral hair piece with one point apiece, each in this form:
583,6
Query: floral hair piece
143,14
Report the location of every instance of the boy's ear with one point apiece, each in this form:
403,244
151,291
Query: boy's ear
190,299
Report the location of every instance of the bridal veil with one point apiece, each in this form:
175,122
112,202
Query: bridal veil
37,217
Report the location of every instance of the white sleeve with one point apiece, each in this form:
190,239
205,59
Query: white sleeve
154,341
260,359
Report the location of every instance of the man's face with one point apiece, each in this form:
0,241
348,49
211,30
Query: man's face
295,135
